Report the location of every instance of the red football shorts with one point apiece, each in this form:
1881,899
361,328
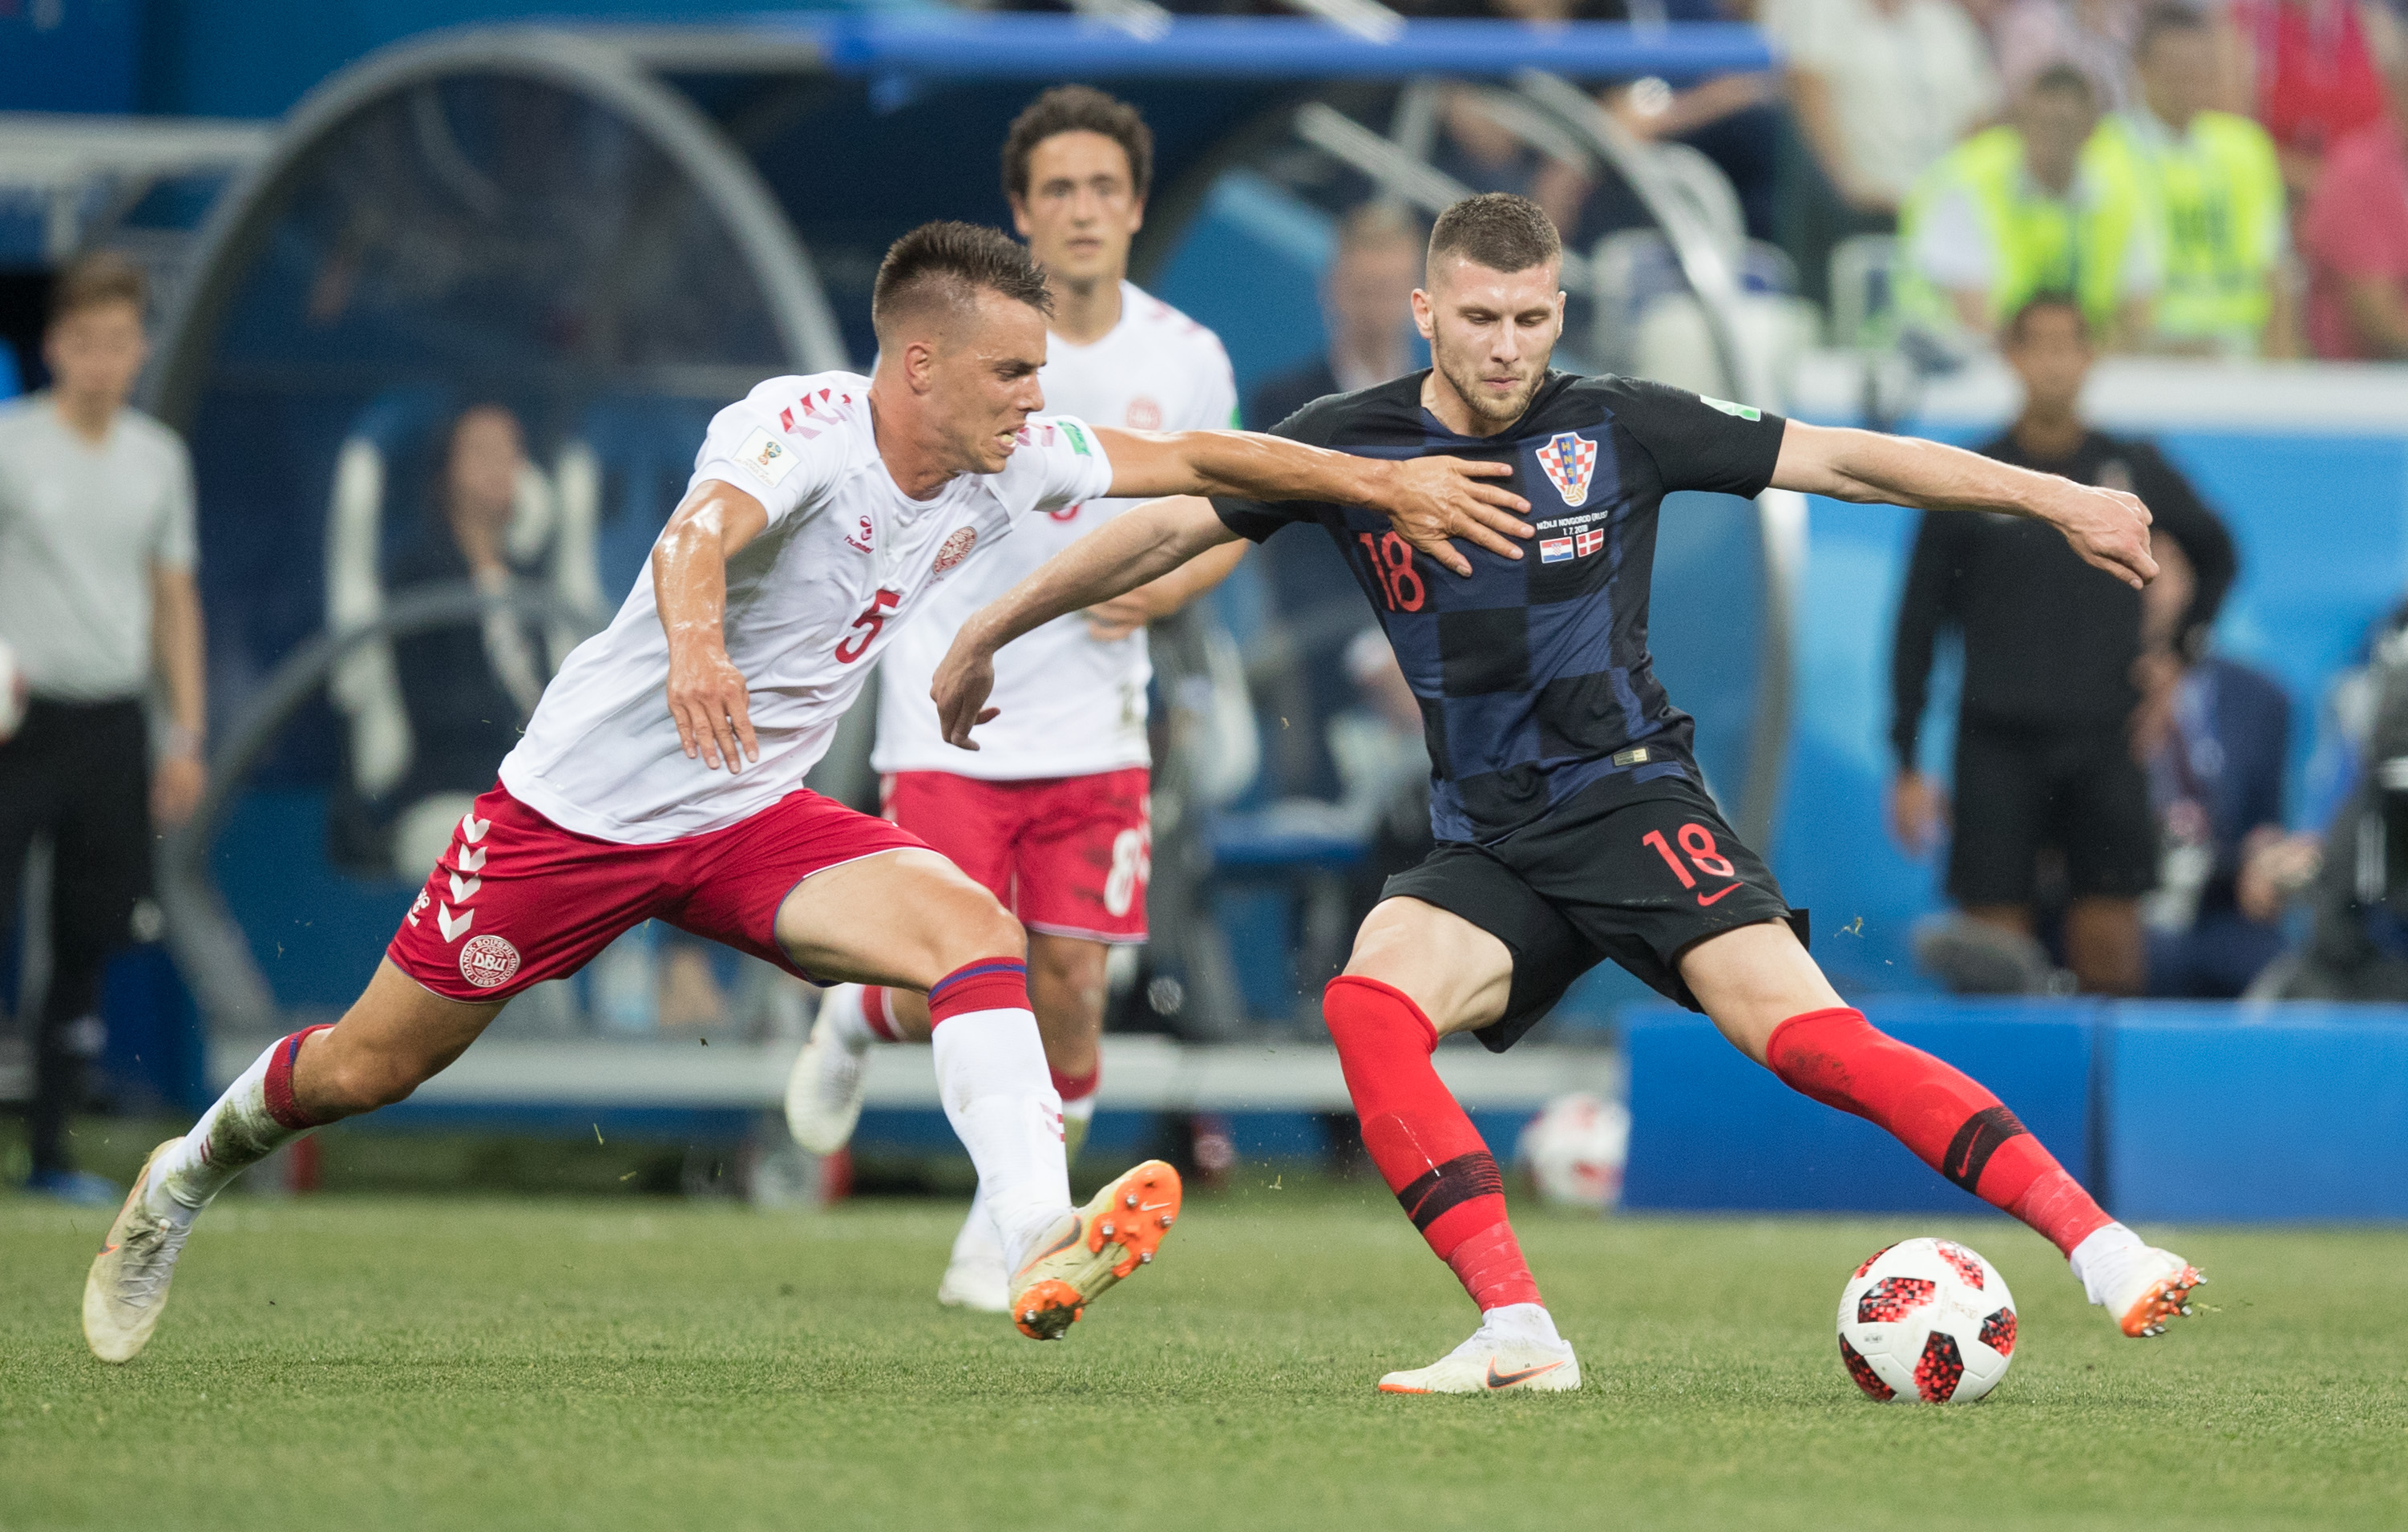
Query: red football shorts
1068,856
516,900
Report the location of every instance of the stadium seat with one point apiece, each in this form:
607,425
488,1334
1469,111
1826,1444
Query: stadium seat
388,460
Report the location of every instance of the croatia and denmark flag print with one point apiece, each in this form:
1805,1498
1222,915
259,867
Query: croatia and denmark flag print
1580,544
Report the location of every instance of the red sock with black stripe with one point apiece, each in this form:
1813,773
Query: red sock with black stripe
1426,1149
1952,1123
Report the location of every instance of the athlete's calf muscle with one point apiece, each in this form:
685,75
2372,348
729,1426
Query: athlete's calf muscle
396,1037
1460,975
905,918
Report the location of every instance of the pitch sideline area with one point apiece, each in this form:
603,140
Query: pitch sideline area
373,1362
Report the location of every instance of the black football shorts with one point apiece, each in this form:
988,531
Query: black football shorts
2079,790
1601,877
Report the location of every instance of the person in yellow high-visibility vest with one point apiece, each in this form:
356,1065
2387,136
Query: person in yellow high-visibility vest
2212,188
2016,211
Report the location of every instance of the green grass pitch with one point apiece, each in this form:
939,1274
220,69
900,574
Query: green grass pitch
364,1361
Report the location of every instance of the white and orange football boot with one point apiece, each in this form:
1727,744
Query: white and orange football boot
2154,1287
126,1290
1086,1252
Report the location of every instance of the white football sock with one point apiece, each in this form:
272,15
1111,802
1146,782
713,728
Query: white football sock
847,1021
1000,1099
979,1240
235,1134
2099,1261
1521,1321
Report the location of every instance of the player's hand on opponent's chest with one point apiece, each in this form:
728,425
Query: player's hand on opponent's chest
1433,500
713,713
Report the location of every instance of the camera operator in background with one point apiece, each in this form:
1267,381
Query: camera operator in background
2213,736
98,549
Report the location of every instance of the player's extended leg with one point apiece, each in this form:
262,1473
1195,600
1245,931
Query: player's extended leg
394,1038
908,920
1770,998
1418,973
1066,985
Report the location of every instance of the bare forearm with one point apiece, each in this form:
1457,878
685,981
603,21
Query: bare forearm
690,587
177,649
2109,529
1870,468
1129,551
1249,465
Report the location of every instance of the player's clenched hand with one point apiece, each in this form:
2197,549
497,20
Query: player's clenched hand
960,690
1437,499
707,698
2109,528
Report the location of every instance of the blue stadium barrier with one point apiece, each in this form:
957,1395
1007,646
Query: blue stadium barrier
2290,1113
1712,1130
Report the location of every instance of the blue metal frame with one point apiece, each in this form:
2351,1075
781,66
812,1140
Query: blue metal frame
1033,46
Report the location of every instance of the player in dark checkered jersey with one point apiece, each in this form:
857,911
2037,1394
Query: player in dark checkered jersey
1572,822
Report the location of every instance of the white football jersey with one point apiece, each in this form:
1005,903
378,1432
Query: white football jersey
845,560
1071,704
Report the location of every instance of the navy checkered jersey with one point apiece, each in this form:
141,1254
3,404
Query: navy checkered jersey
1533,674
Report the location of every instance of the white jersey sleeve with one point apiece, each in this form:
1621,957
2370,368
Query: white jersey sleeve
1058,463
759,446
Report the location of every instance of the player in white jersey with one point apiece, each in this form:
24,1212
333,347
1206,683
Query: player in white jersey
820,512
1051,814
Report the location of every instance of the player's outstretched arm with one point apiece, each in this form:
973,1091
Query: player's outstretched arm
1137,546
1123,614
1430,500
2108,528
706,693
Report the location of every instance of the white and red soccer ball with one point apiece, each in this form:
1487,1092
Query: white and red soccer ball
1575,1150
1927,1322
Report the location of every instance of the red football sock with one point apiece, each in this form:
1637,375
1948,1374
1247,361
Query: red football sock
880,1016
1426,1149
1952,1124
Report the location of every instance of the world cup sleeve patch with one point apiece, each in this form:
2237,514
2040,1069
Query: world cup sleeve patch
766,458
1746,412
1077,437
1569,459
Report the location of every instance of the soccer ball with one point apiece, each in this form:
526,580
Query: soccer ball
1574,1150
1927,1322
12,693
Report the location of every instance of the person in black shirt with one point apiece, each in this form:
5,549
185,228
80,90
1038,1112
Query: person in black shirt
2045,753
1571,822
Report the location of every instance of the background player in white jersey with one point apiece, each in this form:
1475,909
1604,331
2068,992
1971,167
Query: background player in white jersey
820,512
1051,815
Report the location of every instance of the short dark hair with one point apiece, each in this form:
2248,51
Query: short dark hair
2159,20
1077,108
90,280
2063,78
2020,320
948,263
1497,229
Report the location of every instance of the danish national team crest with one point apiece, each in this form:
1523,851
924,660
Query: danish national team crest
488,961
955,548
1569,459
